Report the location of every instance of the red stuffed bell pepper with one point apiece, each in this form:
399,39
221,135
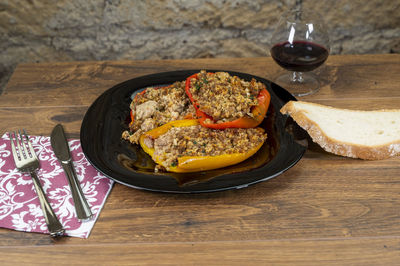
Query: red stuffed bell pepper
258,109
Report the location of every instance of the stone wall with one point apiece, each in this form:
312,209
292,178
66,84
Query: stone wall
65,30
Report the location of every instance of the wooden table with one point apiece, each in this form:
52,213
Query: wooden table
325,210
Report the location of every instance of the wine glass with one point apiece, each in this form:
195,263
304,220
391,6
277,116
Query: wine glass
300,43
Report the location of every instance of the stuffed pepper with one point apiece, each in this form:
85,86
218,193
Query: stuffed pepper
186,146
156,106
225,101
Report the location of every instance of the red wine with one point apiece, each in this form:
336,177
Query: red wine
299,56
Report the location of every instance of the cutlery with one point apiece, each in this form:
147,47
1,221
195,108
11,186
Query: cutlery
61,149
26,161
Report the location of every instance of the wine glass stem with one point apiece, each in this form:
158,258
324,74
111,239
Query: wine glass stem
297,77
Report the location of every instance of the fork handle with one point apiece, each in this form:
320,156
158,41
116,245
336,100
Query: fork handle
53,224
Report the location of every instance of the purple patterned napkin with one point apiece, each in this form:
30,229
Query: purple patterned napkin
19,204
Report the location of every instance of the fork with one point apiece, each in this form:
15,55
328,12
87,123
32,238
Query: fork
26,161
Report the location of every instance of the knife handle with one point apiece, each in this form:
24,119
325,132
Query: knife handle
81,206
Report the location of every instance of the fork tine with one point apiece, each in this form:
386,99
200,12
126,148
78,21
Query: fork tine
31,150
23,144
14,151
19,149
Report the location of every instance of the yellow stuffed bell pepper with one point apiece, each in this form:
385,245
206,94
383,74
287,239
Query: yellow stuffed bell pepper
193,163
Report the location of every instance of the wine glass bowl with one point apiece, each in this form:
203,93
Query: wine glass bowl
300,44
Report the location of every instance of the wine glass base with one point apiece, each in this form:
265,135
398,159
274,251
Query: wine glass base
307,86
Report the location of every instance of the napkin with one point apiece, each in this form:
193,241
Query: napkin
19,204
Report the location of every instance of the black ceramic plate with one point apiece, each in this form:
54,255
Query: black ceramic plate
127,164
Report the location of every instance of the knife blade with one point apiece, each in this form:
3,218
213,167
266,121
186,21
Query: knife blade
61,150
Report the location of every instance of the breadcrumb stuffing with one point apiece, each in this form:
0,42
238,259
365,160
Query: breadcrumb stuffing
224,97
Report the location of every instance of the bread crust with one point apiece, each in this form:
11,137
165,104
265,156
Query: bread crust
337,147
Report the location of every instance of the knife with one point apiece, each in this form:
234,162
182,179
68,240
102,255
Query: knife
61,149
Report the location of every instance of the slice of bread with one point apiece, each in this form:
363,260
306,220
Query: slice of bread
369,135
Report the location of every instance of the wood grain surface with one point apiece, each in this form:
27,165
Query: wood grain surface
326,210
